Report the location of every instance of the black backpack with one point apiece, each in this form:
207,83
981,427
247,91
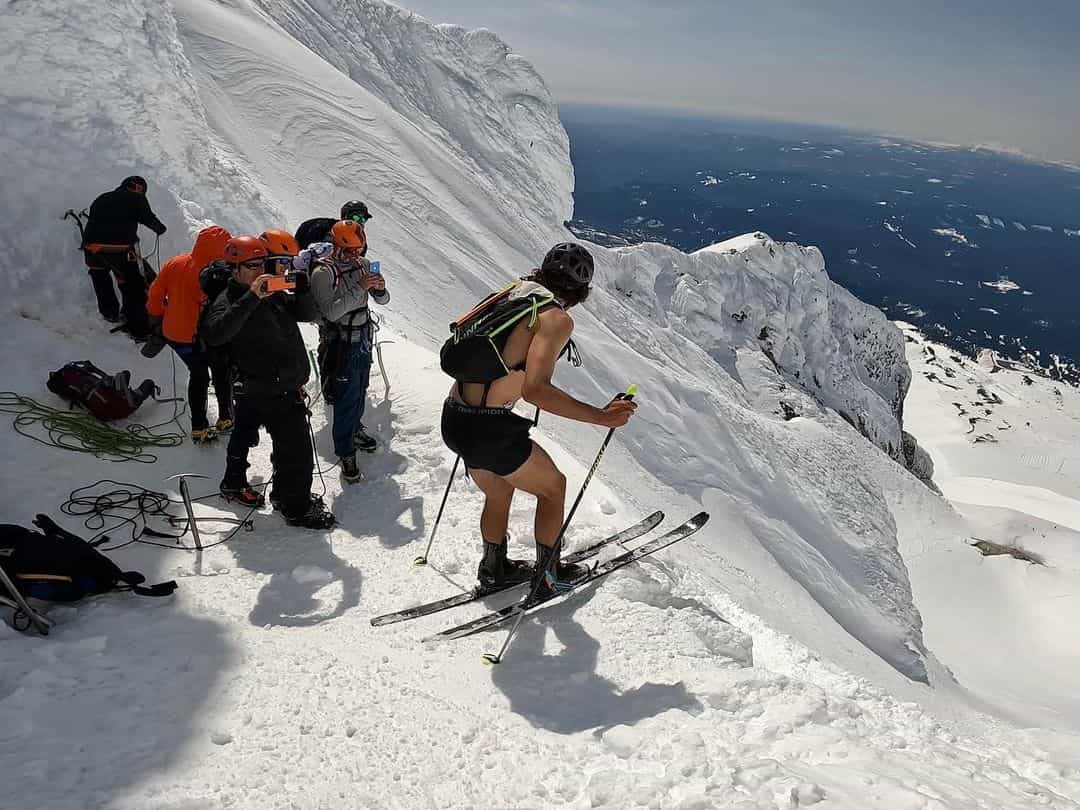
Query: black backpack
57,566
314,230
213,279
107,396
473,352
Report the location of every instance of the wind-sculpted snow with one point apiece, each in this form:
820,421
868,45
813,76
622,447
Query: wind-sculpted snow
754,294
464,88
738,648
717,325
435,127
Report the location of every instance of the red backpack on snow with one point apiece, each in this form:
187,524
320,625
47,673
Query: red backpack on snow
108,397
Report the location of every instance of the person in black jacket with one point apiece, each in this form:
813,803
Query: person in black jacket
318,230
110,244
260,329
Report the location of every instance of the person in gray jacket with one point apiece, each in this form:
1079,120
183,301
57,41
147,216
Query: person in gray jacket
341,284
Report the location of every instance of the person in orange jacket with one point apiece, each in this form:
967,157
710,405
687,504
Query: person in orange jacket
174,304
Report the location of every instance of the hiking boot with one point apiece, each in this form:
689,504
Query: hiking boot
349,469
224,424
362,442
559,579
244,495
203,436
316,517
112,318
497,571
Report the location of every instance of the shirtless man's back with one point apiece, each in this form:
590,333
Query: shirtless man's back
479,425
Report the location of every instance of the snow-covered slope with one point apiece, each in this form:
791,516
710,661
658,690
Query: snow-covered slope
260,113
752,293
1004,445
254,127
261,683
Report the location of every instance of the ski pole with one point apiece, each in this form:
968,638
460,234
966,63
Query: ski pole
556,552
422,559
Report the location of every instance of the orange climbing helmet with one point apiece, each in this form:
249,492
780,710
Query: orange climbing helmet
280,243
241,249
349,235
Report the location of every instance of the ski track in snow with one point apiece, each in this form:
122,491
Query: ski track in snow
775,661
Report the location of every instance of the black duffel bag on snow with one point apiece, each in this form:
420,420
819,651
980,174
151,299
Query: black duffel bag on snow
57,566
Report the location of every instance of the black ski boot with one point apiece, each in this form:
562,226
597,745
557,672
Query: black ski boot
349,469
362,442
316,517
497,571
559,579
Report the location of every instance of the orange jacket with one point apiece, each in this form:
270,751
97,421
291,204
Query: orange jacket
176,294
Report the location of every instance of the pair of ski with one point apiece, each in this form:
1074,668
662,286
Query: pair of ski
527,605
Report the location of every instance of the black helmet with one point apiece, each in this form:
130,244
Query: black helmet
572,261
353,209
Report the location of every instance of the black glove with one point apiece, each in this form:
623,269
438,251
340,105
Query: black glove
155,342
162,231
303,282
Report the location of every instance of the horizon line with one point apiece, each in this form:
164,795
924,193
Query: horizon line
1003,150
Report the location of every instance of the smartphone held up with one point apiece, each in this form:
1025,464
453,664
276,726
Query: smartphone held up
281,283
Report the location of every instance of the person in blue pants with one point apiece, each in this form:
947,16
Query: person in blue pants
342,284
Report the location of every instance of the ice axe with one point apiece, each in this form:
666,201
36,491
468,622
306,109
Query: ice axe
24,616
186,495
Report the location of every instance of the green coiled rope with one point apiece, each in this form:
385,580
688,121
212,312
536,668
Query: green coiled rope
80,432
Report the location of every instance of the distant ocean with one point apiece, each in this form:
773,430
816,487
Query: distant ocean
976,248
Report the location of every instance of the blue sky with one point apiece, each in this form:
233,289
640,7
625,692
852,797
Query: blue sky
960,71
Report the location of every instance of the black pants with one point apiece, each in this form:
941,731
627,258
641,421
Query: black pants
201,364
285,418
126,268
107,303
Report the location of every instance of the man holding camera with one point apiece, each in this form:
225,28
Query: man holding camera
341,284
257,317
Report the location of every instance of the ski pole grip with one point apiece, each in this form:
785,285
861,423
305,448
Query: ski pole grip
629,393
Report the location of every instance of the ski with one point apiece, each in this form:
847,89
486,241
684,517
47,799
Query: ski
603,569
630,533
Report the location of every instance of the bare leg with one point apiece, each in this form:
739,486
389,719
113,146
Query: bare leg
540,477
498,494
